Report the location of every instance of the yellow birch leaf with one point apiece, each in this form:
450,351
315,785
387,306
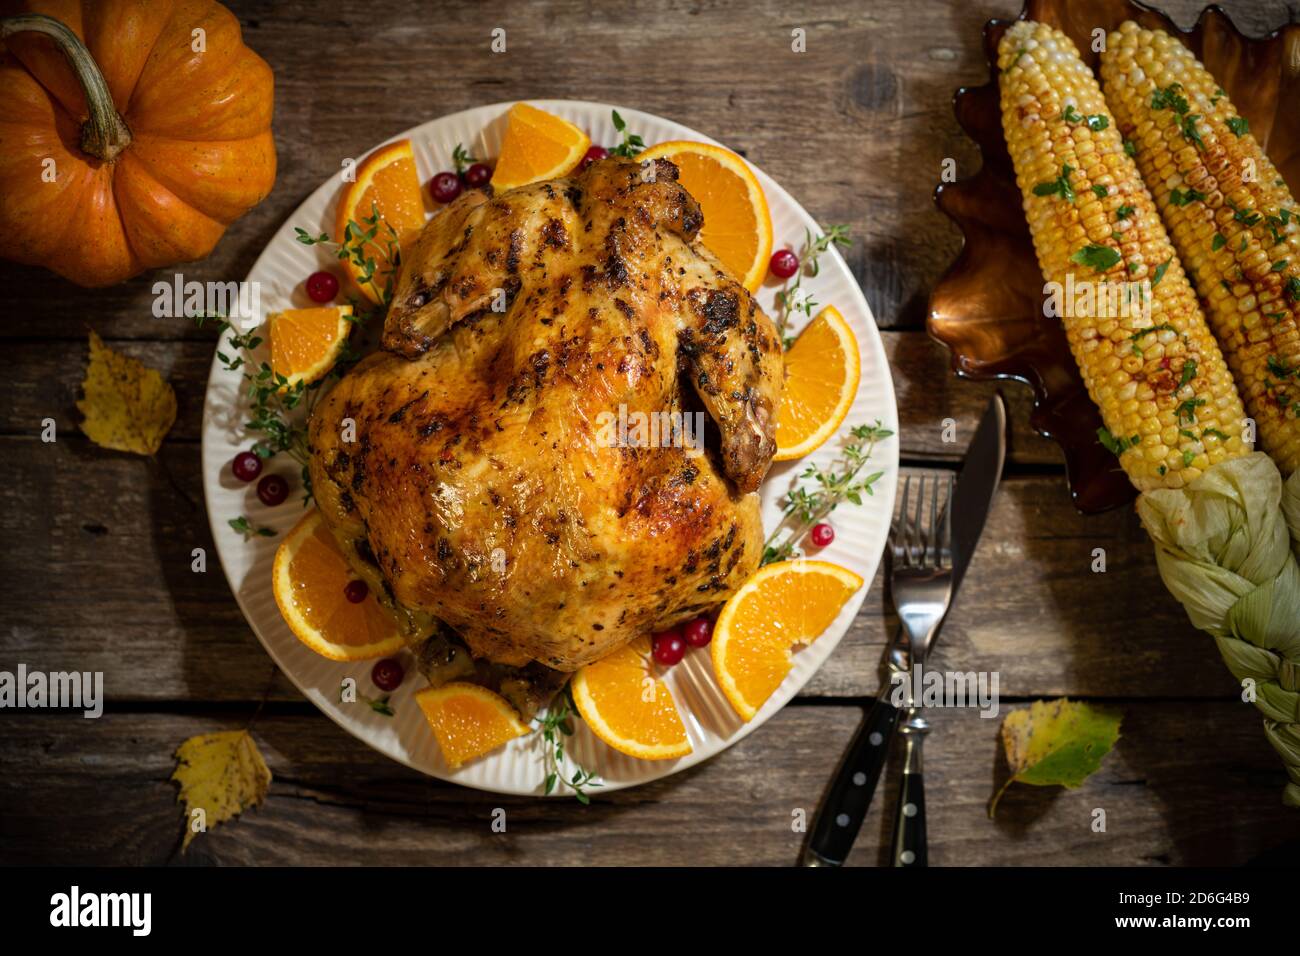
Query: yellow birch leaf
221,774
128,406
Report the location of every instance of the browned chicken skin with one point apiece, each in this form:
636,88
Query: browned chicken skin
484,479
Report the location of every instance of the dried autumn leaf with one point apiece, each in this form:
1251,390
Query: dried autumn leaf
128,406
1056,742
222,774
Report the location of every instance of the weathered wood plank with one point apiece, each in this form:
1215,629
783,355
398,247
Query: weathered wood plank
101,580
856,127
98,792
43,380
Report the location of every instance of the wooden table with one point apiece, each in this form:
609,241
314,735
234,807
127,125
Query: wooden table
95,574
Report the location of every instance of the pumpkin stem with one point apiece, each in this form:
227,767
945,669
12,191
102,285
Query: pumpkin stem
105,134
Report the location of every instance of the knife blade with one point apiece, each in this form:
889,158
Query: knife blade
846,802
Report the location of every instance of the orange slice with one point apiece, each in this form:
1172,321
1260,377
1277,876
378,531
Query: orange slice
737,226
784,604
821,380
305,343
308,579
468,721
536,146
629,708
387,182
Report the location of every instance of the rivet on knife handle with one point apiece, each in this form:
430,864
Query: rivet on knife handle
846,802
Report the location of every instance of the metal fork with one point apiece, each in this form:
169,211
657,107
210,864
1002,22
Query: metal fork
920,581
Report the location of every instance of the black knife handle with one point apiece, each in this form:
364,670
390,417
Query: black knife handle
846,803
909,823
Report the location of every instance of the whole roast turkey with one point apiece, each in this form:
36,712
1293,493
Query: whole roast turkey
473,468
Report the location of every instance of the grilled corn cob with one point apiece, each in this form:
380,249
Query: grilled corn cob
1230,214
1155,371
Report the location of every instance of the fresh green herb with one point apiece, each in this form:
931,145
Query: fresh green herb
1214,433
1124,211
1187,433
1099,258
804,506
1239,125
1244,217
366,245
1160,272
1227,285
1190,132
1161,471
555,727
1188,373
1218,95
1117,446
1162,327
1189,456
380,705
1169,99
1101,192
631,144
1181,197
1292,289
1059,186
245,527
1071,115
461,159
1187,410
1097,122
1020,51
1279,369
1219,242
1279,265
1130,147
1134,267
792,298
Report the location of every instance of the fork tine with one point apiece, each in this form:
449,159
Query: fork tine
936,519
918,533
898,527
947,522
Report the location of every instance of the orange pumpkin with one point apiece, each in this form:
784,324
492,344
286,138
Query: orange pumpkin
132,133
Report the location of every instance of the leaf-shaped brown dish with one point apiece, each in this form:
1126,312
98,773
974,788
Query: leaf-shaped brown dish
988,307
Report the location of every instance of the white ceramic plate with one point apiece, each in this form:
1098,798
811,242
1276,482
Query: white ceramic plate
519,767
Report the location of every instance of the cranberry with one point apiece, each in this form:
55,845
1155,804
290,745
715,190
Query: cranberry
322,286
592,155
783,264
246,466
445,187
356,591
822,534
668,647
698,632
272,490
388,674
477,175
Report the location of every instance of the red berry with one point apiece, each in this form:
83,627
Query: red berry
698,632
784,264
272,490
822,534
322,286
246,466
477,175
445,187
592,155
388,674
356,591
668,647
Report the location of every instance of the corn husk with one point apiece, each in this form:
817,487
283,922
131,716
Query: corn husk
1227,547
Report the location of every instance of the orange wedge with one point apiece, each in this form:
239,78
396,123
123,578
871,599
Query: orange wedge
784,604
629,708
737,226
305,343
468,721
387,182
821,380
308,579
536,146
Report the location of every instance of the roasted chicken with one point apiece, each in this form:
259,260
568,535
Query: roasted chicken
475,468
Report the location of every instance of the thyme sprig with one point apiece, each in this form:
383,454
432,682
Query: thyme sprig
461,159
825,489
632,143
555,726
365,244
792,298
